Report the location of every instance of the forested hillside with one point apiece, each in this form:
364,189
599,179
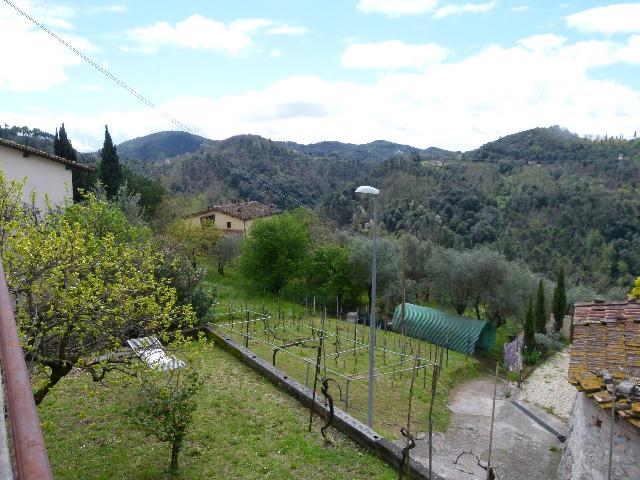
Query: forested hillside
160,145
546,195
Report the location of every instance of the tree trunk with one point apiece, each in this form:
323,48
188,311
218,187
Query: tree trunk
477,309
57,373
221,268
175,450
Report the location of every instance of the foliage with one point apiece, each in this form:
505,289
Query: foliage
540,312
513,354
62,145
559,300
531,357
529,329
166,405
84,281
328,272
110,170
549,343
226,250
192,240
513,376
187,280
387,267
635,291
274,251
150,191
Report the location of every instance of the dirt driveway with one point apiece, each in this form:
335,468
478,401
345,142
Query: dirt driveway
522,449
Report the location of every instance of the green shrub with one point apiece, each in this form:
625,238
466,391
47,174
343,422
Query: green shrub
513,376
532,357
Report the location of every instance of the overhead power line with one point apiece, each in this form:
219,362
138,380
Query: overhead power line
249,174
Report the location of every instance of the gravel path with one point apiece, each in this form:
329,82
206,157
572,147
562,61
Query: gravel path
547,386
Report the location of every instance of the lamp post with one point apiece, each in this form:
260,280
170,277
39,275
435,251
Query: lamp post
372,314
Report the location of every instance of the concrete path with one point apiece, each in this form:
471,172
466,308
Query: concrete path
522,449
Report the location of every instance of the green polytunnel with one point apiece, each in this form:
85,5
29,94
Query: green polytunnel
454,332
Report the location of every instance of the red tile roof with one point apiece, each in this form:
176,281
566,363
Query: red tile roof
241,210
33,151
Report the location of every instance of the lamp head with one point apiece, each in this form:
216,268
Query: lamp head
367,190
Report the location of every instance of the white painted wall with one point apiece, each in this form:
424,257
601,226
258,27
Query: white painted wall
586,454
44,176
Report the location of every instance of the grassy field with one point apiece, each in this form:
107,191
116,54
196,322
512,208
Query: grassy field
391,390
245,428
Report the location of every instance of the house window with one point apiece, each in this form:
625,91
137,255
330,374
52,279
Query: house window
228,224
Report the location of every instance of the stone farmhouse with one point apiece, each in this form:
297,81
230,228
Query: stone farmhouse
234,218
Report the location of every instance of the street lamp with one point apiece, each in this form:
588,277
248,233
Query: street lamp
372,315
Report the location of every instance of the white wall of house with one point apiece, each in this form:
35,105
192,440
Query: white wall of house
586,454
44,176
224,221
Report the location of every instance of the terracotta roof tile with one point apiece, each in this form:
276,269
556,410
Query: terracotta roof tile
241,210
33,151
606,338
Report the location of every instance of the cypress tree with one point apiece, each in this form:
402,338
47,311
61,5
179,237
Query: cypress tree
110,170
529,329
559,300
540,310
56,144
64,149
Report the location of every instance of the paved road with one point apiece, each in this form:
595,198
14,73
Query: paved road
522,449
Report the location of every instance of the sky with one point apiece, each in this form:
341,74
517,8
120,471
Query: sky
452,74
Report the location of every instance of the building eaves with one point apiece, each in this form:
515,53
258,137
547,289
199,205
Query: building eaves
26,151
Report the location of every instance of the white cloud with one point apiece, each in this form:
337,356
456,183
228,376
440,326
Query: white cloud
39,62
449,10
539,81
396,8
201,33
392,54
97,10
543,42
286,29
519,8
617,18
275,53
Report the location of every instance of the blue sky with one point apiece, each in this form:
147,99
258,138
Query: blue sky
453,74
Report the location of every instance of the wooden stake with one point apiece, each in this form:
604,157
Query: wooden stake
493,413
434,382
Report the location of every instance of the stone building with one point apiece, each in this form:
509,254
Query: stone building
605,358
235,217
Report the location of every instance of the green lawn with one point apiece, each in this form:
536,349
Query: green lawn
245,428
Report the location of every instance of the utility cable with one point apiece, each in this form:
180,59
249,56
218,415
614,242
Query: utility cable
181,126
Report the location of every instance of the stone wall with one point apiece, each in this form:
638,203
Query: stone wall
586,454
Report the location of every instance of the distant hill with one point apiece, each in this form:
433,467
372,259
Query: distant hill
217,172
160,145
378,150
551,145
